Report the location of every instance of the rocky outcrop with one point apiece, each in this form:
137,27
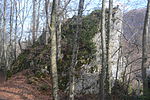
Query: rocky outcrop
89,81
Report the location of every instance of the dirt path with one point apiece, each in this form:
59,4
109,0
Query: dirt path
17,88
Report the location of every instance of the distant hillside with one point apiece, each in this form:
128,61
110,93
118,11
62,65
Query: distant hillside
133,29
133,24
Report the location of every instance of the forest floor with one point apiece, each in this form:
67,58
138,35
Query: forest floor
25,86
17,88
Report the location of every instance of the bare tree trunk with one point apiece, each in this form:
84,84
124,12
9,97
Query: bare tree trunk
0,35
4,33
47,20
144,49
19,41
22,25
59,40
75,50
58,31
129,80
125,70
117,70
103,45
38,17
59,22
34,21
10,56
11,22
108,68
54,50
16,25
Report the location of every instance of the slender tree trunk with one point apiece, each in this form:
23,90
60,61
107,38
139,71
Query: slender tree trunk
108,68
22,31
4,33
47,19
1,50
59,40
38,17
54,50
11,22
103,45
117,70
75,50
34,22
144,49
125,70
22,27
58,31
1,23
16,25
10,56
129,80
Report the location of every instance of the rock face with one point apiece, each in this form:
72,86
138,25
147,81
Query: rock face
115,37
89,81
43,39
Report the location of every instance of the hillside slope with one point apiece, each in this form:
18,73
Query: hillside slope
133,24
19,87
36,58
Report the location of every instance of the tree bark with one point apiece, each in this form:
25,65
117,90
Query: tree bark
108,64
103,45
38,18
4,33
0,34
144,49
16,25
47,20
9,54
54,51
59,56
34,22
58,31
11,22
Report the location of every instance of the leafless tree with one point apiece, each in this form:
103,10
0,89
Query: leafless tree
75,50
108,68
54,50
144,49
103,45
34,21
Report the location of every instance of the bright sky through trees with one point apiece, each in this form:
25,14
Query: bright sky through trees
89,6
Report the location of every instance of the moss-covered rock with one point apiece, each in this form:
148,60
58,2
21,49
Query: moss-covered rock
38,56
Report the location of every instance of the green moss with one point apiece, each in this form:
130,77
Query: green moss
87,48
86,52
21,62
43,87
9,74
29,81
39,74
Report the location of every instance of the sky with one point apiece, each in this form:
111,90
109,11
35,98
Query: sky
91,5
